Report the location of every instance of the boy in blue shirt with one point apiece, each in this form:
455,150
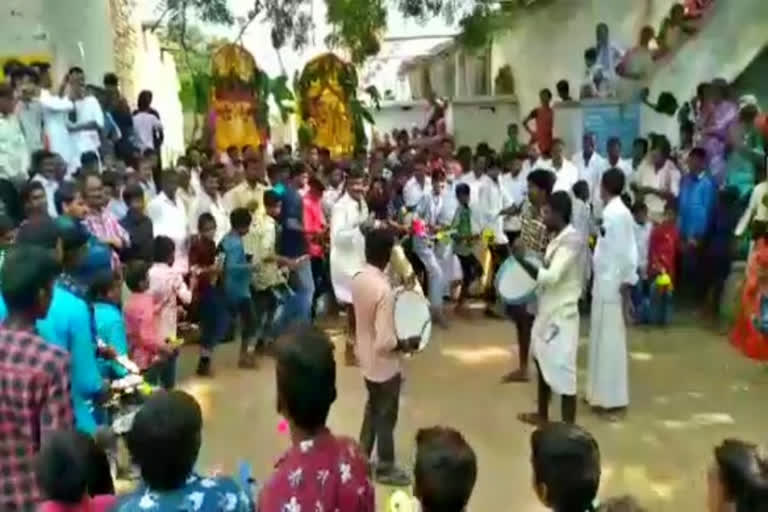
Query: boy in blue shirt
105,292
237,283
71,326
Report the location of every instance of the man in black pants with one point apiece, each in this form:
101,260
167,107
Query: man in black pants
376,347
555,332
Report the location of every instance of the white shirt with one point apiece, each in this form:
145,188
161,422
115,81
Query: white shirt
667,179
169,218
615,258
30,115
590,170
413,191
624,166
643,239
14,155
448,205
55,120
330,196
757,209
471,179
347,244
492,199
540,163
565,177
145,124
50,186
516,188
87,109
203,203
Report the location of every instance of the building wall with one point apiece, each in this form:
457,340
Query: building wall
72,32
546,45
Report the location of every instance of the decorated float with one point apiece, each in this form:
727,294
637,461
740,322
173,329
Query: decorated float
330,114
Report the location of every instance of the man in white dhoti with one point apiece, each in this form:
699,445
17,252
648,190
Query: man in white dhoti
555,332
615,270
348,215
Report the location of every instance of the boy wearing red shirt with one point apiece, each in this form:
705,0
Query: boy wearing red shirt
663,249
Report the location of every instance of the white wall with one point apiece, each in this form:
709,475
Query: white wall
482,119
399,114
59,28
547,44
155,70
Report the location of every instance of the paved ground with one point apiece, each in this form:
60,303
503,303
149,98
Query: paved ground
689,390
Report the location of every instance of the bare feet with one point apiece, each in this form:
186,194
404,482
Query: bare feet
520,375
248,360
531,418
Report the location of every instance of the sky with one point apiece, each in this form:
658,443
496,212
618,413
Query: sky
257,41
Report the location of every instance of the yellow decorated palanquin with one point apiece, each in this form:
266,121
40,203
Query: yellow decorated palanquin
324,104
234,102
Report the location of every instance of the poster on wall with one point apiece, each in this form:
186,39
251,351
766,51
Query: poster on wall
27,59
613,120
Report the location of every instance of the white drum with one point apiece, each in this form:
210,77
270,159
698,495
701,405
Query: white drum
412,316
513,284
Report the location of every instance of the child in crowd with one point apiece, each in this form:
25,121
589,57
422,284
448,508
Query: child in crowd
167,288
105,293
737,478
566,467
148,350
237,283
113,187
165,442
69,204
269,278
210,303
663,248
445,470
642,229
7,236
138,226
464,239
73,474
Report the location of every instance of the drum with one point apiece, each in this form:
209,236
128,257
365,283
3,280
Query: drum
513,284
412,316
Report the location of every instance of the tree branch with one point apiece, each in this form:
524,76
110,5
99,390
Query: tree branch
159,21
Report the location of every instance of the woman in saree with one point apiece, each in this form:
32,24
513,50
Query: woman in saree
745,335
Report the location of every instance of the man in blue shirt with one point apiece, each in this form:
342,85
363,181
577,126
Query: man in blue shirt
292,240
698,196
237,283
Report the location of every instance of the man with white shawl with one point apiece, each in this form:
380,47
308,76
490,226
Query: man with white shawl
348,215
555,332
615,270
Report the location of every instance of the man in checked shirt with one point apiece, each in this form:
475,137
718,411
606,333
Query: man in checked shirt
534,238
34,375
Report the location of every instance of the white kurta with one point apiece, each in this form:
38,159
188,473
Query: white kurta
492,199
347,244
615,263
555,332
590,170
566,177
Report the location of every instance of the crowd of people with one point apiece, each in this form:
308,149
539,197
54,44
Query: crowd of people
104,254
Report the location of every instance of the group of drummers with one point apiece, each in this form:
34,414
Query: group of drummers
503,228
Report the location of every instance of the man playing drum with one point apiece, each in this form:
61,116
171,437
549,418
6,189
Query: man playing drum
379,354
555,332
533,240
